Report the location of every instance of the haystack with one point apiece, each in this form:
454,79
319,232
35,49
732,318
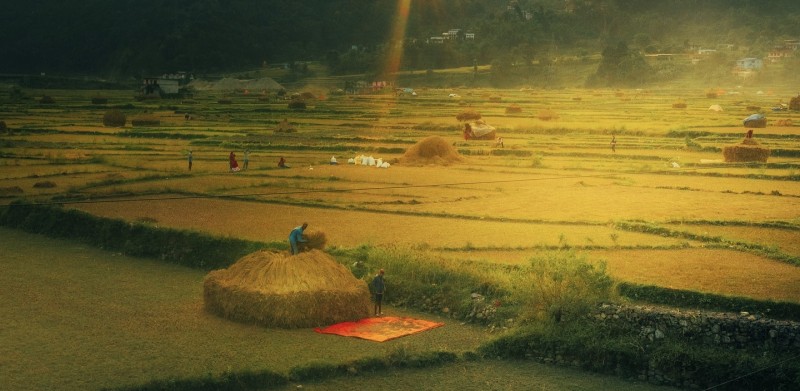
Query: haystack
794,103
285,127
755,121
547,115
749,150
431,150
275,289
468,115
479,130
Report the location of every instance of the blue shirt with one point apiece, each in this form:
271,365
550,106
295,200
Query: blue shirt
297,235
378,284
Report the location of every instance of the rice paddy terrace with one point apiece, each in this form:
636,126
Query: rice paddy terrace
555,182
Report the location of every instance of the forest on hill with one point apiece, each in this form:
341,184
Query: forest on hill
135,37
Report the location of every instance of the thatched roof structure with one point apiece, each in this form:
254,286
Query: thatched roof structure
276,289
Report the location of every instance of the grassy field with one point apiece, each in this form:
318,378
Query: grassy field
78,318
662,210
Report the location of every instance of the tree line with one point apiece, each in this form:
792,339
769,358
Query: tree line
136,37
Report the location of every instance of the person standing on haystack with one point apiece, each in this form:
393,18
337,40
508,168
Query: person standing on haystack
296,236
378,287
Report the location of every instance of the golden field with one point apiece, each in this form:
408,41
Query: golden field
555,183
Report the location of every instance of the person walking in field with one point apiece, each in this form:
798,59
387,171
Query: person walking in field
246,159
613,143
378,287
190,160
296,236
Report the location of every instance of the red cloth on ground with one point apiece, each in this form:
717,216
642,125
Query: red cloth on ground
380,329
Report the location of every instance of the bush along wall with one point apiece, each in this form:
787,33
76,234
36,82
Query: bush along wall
183,247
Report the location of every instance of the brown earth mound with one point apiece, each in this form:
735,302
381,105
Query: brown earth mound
275,289
431,150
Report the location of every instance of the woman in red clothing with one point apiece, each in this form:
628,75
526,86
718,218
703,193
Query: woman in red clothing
234,165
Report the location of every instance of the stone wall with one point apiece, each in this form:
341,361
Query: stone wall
736,331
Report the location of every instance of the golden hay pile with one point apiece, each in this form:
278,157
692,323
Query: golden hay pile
794,103
275,289
748,151
514,108
468,115
314,240
547,115
431,150
679,105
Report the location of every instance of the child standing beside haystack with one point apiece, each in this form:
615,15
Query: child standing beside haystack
378,287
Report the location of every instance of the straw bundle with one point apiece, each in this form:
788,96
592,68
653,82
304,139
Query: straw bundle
468,115
314,240
547,115
431,150
794,103
679,105
748,151
278,290
514,108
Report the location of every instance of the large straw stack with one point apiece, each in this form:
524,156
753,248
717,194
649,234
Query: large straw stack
432,150
275,289
748,151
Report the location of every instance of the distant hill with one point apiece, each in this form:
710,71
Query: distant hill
136,37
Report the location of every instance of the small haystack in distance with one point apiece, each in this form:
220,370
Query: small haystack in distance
285,127
479,130
431,150
468,115
755,121
794,103
275,289
716,108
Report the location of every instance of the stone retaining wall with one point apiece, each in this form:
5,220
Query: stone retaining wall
736,331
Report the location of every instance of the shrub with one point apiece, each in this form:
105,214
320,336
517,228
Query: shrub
47,100
114,119
297,104
560,285
513,109
146,121
44,184
3,127
99,101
